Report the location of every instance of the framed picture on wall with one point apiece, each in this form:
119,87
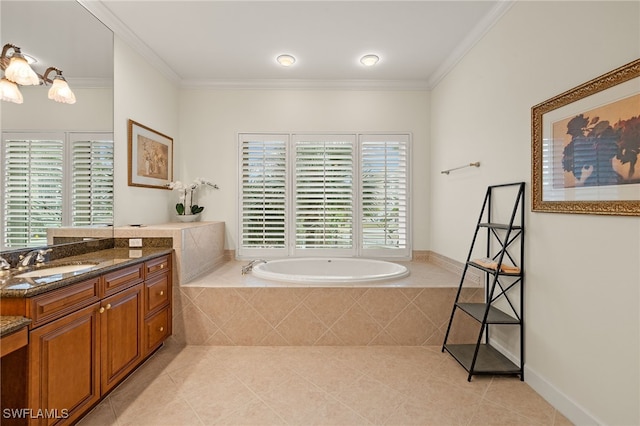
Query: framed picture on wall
586,147
150,157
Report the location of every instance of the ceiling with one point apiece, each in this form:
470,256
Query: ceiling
235,43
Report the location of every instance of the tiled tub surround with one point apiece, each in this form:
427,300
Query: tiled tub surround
198,246
227,308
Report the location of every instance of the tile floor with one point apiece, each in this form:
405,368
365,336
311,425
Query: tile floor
339,385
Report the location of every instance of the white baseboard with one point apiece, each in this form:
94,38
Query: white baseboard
569,408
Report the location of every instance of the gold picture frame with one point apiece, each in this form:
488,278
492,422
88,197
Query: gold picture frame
150,157
585,147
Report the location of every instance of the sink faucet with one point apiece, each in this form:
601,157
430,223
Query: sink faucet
249,266
4,265
33,257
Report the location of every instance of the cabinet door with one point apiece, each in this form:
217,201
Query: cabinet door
64,378
121,335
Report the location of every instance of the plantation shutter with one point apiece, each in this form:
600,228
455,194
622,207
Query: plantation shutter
263,194
324,193
385,193
33,182
91,179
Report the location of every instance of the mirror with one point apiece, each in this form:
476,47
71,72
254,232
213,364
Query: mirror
61,34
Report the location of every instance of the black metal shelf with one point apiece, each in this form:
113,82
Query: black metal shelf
489,360
494,271
498,226
501,242
494,316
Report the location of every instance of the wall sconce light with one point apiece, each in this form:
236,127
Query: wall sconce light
9,91
16,68
17,71
60,91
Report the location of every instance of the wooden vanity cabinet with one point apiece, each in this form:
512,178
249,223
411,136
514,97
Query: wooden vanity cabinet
77,358
157,309
64,370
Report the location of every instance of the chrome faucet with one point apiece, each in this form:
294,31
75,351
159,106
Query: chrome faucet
249,266
4,265
33,257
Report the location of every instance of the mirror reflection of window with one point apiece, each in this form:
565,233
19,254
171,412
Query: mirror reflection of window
51,180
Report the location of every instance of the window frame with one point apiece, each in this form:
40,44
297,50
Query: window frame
290,250
68,138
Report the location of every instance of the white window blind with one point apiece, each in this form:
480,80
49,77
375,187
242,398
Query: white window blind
349,195
51,180
91,179
385,190
32,187
263,184
324,192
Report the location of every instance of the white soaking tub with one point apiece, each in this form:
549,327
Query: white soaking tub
329,270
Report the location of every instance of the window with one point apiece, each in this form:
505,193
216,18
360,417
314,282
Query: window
34,170
349,195
92,179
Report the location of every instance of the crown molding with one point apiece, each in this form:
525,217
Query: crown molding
98,9
470,41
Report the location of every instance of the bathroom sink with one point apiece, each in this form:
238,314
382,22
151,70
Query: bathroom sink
54,270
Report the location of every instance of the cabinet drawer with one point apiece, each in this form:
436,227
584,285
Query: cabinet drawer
156,292
157,265
157,329
121,279
56,303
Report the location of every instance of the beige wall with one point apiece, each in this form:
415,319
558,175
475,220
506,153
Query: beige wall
211,119
144,95
582,272
93,111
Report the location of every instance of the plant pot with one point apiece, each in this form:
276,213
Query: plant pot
188,217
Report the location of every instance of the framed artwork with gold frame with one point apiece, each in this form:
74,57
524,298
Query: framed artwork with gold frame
150,157
586,147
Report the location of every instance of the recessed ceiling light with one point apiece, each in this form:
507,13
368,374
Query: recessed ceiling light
369,60
286,60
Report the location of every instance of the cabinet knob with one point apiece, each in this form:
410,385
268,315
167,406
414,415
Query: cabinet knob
161,329
108,305
161,292
101,310
161,265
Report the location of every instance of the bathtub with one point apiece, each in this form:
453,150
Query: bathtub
329,270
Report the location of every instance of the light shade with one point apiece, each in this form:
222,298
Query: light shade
9,92
369,60
60,91
20,72
286,60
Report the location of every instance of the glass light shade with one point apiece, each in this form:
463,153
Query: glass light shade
369,60
9,91
286,60
60,91
20,72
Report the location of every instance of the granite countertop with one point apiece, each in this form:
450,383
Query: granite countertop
98,263
9,324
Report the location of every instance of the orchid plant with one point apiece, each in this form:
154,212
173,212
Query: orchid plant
185,204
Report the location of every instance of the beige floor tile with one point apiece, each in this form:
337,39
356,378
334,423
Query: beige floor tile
372,399
174,412
101,415
255,413
323,385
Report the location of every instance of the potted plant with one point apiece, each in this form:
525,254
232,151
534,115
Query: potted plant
187,210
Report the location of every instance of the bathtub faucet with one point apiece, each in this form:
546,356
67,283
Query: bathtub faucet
249,266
